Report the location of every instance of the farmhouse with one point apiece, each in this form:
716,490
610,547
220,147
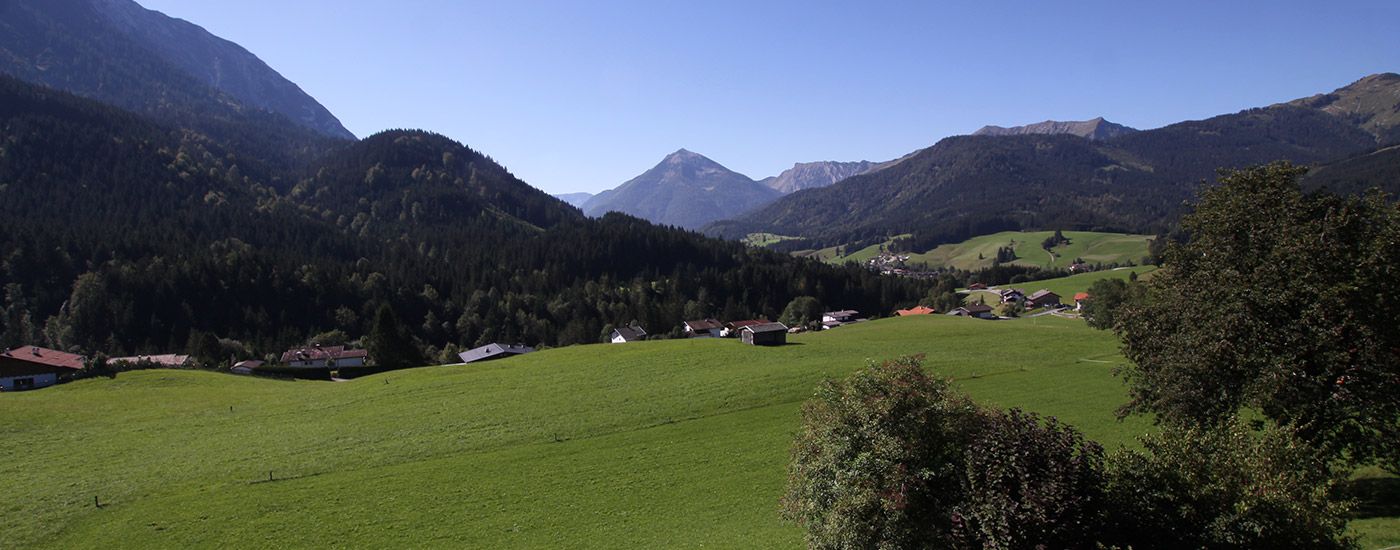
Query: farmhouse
732,328
494,351
916,310
704,328
622,335
977,286
1043,298
1012,296
168,360
246,367
843,316
767,334
325,356
32,367
979,311
1079,299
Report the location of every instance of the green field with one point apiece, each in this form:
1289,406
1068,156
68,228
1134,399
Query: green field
979,252
664,443
1066,287
765,239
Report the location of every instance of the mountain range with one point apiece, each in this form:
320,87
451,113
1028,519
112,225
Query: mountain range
1095,129
1135,181
158,212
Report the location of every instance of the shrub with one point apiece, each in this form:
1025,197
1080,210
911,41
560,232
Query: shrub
1226,488
1031,484
877,463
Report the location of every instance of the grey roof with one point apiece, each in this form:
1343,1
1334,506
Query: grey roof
492,351
1043,293
704,324
977,308
767,327
843,313
631,333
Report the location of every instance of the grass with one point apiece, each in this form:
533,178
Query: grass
1066,287
765,239
665,443
1092,247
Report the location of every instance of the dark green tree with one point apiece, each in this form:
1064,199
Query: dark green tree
801,311
1106,296
389,344
1282,303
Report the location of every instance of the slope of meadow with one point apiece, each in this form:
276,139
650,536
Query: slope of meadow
666,443
1092,247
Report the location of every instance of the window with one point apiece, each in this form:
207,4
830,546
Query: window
24,383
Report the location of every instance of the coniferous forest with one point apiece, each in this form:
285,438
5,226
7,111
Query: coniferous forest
124,234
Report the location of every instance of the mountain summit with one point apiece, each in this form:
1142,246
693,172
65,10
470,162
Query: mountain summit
118,52
685,189
1095,129
809,175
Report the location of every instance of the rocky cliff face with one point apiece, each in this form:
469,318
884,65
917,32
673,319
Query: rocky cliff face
1097,129
811,175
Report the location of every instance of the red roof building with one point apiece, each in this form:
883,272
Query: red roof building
33,367
916,310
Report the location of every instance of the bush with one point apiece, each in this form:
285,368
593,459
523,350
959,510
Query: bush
876,464
1032,484
1226,488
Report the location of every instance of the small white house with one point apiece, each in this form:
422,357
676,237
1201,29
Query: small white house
623,335
33,367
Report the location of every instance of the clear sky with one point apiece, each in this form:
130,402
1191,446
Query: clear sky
583,95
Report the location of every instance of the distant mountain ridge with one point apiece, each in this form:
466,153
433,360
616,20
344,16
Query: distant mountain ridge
118,52
809,175
1096,129
575,200
685,189
964,186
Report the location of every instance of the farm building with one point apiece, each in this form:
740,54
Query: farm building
33,367
767,334
704,328
494,351
1079,299
622,335
246,367
732,328
979,311
977,286
843,316
1043,298
1012,296
325,356
168,360
916,310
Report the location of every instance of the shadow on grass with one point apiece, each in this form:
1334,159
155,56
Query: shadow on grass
1376,497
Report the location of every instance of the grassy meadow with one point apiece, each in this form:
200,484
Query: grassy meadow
1066,287
663,443
1092,247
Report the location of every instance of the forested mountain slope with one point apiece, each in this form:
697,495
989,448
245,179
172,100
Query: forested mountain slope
127,235
969,185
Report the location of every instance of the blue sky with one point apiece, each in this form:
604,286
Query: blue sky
581,96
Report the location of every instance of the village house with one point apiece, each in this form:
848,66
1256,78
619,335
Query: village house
1079,299
767,334
622,335
1043,298
494,351
977,311
977,286
1012,296
33,367
332,357
167,361
843,316
916,310
246,367
732,328
704,328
